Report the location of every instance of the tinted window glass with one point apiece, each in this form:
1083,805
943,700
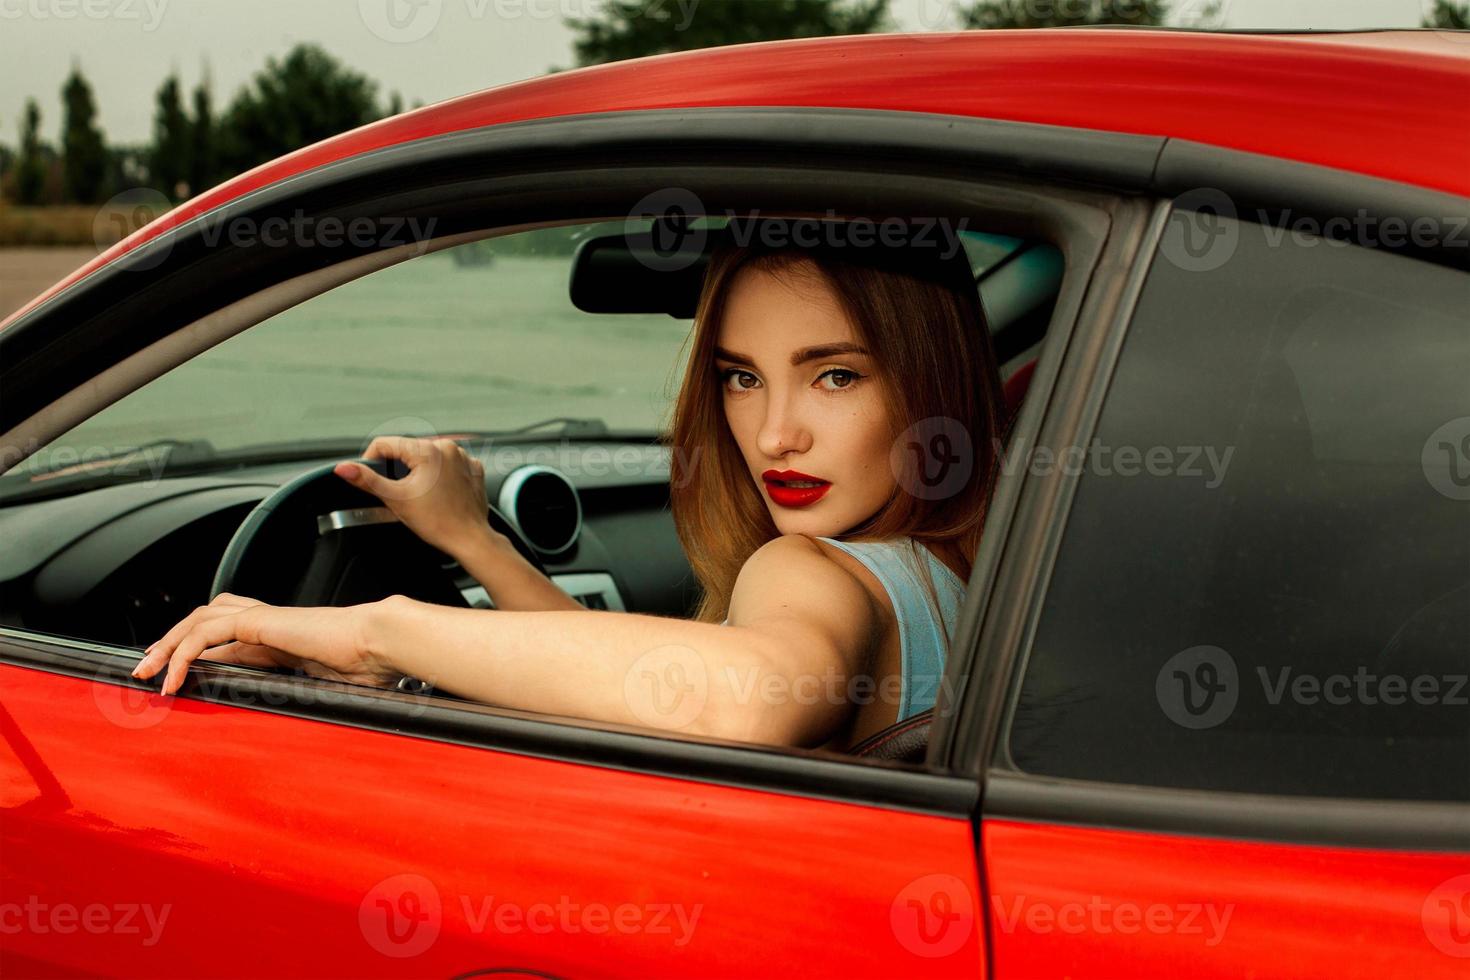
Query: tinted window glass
1265,579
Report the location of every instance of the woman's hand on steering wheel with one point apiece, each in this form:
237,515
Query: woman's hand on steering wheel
442,499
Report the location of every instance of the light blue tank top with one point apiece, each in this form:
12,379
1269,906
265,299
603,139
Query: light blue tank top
923,640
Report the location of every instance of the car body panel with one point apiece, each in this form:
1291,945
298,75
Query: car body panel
1334,100
1080,901
273,840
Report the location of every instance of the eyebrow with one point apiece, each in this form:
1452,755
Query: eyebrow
800,357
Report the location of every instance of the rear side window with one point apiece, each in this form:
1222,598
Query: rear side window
1264,583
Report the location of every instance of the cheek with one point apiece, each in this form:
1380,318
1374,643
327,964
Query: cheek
744,424
865,435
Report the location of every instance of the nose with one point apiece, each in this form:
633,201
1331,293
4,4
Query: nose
783,430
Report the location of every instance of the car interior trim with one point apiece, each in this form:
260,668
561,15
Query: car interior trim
1065,393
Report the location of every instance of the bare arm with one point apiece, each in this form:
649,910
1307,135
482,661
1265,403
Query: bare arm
511,582
800,628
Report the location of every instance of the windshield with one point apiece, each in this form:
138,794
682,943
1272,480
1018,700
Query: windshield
480,338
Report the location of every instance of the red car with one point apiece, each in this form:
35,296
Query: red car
1205,712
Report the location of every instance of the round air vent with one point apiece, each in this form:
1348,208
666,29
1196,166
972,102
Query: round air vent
543,503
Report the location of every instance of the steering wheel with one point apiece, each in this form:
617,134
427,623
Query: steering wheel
319,541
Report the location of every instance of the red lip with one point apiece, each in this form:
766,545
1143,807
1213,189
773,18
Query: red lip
793,496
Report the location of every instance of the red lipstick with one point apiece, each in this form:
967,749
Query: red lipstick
778,487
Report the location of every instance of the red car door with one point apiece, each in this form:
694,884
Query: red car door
275,828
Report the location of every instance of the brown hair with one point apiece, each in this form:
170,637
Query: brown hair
919,314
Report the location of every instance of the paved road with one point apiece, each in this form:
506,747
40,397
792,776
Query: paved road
24,272
425,346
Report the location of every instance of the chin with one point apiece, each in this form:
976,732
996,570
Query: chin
797,522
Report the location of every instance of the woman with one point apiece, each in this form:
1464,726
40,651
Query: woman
837,389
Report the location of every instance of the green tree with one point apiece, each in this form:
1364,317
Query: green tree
1455,16
634,28
168,160
203,158
305,97
30,167
84,154
992,14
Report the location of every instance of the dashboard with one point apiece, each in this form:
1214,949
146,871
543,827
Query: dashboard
124,563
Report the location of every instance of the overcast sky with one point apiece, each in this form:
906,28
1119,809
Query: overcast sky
432,50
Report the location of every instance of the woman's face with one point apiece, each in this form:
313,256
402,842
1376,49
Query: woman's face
801,397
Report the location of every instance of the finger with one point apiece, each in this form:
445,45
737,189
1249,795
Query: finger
156,655
207,634
360,476
404,448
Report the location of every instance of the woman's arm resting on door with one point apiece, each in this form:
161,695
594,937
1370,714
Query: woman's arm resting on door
800,628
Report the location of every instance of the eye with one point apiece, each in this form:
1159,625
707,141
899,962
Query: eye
731,373
841,378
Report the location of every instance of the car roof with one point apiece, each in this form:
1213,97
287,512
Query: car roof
1385,103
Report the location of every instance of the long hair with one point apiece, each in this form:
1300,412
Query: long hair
918,313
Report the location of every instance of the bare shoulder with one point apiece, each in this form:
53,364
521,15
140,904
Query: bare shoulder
792,578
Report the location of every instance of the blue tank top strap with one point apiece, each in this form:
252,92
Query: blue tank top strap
923,639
